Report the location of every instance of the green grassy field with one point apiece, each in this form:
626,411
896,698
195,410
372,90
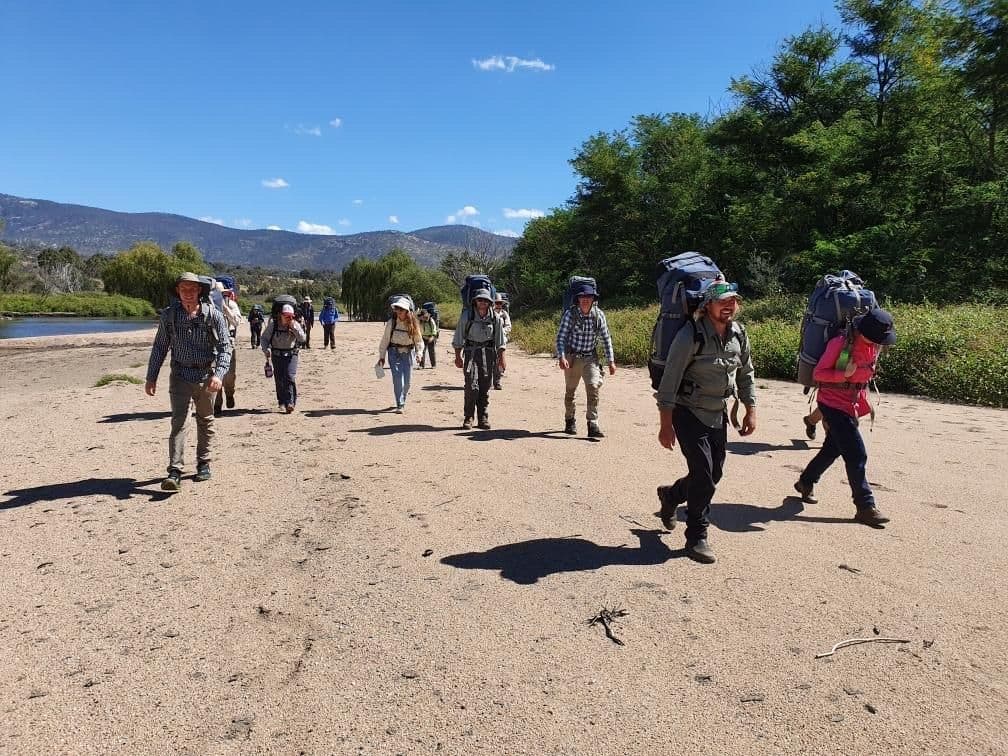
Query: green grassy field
95,305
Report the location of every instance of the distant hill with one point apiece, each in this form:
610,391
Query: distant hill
91,230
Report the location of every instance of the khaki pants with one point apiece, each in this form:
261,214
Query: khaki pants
586,368
182,394
228,387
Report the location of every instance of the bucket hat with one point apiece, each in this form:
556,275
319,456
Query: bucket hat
482,294
402,303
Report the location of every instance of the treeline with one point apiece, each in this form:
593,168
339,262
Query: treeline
367,284
878,146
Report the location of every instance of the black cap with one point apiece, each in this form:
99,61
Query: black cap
877,326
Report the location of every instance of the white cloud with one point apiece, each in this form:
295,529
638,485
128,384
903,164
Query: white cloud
242,223
466,212
507,232
303,130
305,227
511,63
275,183
523,213
344,221
273,228
211,219
393,219
336,122
358,202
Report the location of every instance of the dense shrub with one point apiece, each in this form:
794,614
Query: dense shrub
88,304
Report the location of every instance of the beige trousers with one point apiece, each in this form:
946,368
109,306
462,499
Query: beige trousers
587,369
182,394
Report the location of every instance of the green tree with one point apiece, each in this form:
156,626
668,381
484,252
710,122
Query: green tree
146,272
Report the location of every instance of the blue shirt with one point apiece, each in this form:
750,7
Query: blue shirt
580,333
189,341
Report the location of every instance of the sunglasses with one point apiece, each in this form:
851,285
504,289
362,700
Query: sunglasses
718,290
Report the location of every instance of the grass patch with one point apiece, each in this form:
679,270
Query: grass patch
105,380
94,305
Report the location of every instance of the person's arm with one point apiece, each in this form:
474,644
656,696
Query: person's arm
159,350
607,346
458,340
563,333
745,381
299,331
680,355
267,337
825,370
224,349
385,339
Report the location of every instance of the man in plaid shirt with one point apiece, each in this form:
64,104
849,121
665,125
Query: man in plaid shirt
581,327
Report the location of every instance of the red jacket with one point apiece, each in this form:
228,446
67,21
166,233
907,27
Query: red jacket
852,398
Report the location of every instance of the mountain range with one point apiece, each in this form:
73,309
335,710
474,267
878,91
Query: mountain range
92,230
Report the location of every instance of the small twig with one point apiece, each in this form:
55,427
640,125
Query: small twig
854,570
855,641
605,616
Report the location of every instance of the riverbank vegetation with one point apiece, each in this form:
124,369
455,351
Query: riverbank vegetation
86,304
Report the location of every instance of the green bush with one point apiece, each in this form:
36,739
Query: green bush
95,305
105,380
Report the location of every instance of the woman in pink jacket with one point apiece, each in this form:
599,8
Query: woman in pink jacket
843,398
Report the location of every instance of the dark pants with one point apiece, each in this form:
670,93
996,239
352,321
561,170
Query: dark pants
256,329
286,388
307,335
328,337
704,449
843,439
478,370
428,351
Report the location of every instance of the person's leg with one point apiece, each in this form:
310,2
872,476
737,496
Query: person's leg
407,374
572,376
699,445
592,376
180,395
292,368
469,376
848,441
396,363
821,462
486,373
203,401
229,380
280,378
431,352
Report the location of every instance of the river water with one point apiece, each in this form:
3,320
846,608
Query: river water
19,328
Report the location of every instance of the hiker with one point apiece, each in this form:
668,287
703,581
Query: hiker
429,333
280,345
233,316
501,310
399,341
581,327
307,320
328,317
197,335
479,350
256,317
843,373
708,362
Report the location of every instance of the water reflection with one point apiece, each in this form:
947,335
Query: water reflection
20,328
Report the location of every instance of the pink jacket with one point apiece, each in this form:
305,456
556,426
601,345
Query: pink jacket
850,399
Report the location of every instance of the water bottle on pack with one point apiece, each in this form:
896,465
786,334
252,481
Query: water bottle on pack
268,369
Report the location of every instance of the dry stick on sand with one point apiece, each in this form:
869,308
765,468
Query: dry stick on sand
855,641
605,616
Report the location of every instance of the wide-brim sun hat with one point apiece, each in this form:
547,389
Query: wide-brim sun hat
307,299
402,303
482,294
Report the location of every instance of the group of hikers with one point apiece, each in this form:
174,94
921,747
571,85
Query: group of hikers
696,370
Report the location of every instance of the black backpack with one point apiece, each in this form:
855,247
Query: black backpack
681,282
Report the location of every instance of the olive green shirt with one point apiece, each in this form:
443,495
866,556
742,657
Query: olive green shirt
703,376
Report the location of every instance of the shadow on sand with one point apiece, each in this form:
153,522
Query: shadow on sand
120,488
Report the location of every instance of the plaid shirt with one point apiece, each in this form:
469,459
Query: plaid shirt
190,348
579,333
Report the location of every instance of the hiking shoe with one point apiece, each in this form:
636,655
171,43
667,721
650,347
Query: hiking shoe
173,482
399,410
805,489
668,506
229,401
700,551
289,408
202,472
497,387
810,427
594,431
467,424
870,516
483,423
570,426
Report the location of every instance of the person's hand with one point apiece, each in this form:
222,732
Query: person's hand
381,361
612,368
849,370
458,361
666,436
564,365
501,363
214,385
748,422
150,388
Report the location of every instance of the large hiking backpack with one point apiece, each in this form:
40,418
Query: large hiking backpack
432,310
228,282
681,282
836,300
329,302
279,302
573,283
473,282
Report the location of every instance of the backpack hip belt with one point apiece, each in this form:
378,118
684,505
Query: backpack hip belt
478,344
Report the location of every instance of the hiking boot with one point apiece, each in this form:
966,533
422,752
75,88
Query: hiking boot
805,489
810,427
668,506
399,410
570,426
484,423
700,551
467,424
202,472
497,387
870,516
594,431
289,408
173,482
229,401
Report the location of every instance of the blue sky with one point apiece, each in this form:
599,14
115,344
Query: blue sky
338,117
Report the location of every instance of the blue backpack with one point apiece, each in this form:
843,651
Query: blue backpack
834,303
432,310
681,282
473,282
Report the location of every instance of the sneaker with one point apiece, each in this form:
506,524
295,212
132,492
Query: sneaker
570,426
805,489
202,472
810,427
173,482
700,551
399,410
483,423
229,401
870,516
467,424
668,507
594,431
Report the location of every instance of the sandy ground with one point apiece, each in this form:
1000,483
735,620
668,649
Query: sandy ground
356,581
